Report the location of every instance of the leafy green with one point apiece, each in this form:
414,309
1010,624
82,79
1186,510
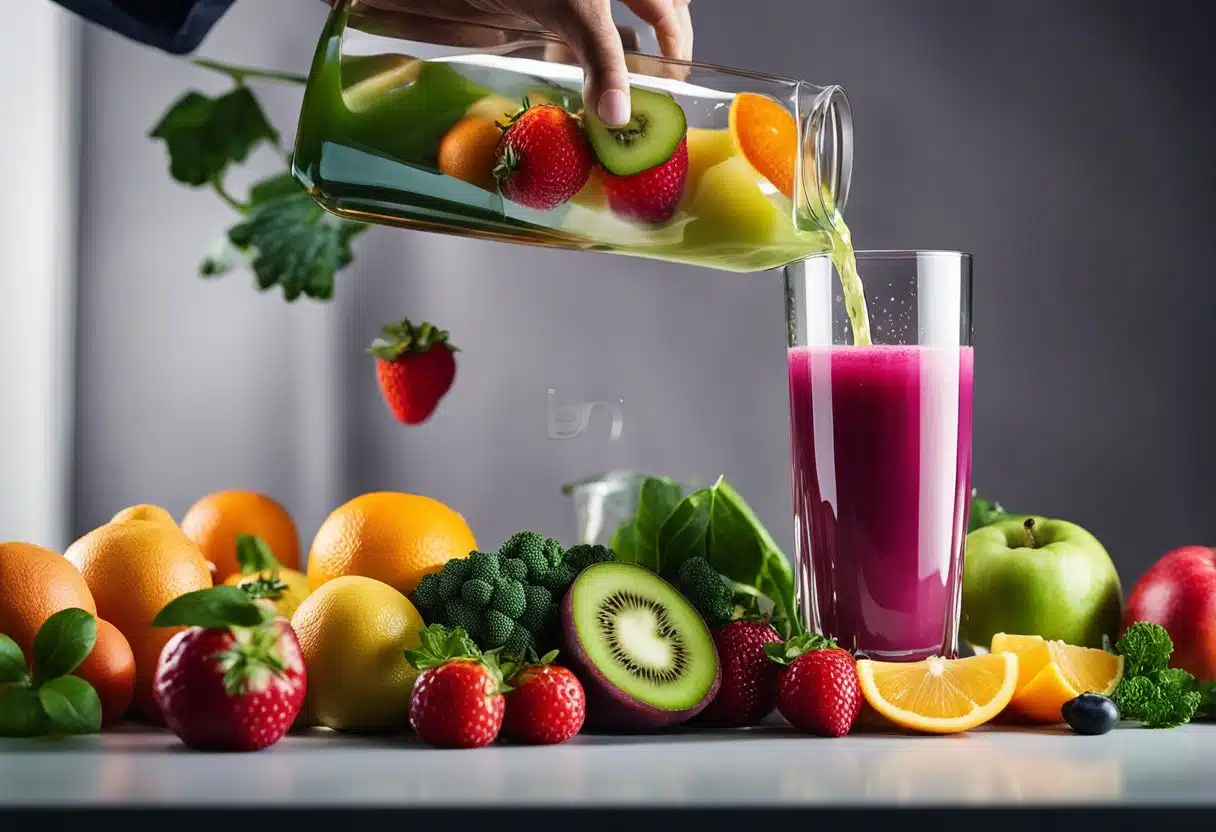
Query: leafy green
72,705
253,555
785,652
62,643
205,136
984,512
12,662
215,608
1207,699
273,187
21,713
293,243
1151,692
716,524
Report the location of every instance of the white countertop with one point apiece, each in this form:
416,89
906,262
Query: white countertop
768,766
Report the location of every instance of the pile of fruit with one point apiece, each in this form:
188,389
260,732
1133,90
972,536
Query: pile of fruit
401,621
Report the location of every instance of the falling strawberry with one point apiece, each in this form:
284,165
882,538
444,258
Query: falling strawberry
749,677
458,697
652,195
415,367
546,704
233,681
543,157
818,690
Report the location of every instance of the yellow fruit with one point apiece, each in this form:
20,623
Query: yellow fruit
289,599
154,514
495,108
728,208
134,569
1051,672
592,195
214,522
392,537
353,634
940,696
706,149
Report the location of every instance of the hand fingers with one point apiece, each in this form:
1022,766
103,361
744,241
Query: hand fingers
671,23
588,28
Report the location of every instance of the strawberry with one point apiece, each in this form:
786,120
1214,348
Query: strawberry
458,697
235,679
818,690
543,157
546,704
652,195
749,678
415,368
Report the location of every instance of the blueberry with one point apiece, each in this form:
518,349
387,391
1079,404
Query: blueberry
1091,714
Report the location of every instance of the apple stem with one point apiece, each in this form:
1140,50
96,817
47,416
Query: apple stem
1028,526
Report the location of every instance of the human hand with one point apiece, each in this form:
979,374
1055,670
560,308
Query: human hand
585,26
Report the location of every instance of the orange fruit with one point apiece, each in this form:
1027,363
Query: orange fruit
110,669
36,583
389,536
766,134
214,522
144,512
134,569
940,696
1051,672
469,151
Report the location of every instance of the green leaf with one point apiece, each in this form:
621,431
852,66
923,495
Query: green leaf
273,187
12,662
1146,648
1207,699
685,533
216,607
658,498
72,705
793,648
984,512
438,645
293,243
735,550
204,135
625,541
253,555
63,642
21,713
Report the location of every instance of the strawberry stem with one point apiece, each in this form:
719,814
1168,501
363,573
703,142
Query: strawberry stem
401,338
252,660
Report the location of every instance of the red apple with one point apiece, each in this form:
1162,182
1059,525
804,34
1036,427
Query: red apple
1179,593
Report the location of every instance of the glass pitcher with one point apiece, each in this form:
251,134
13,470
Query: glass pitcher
411,124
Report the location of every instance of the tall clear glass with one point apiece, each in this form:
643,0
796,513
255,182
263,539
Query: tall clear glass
881,450
403,118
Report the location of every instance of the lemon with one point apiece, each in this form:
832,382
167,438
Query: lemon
290,598
144,511
353,634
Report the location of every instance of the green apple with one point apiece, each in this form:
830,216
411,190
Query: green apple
1035,576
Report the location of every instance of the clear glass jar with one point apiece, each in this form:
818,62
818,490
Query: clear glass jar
407,124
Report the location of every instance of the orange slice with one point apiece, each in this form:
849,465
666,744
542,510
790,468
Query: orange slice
940,696
766,134
1052,672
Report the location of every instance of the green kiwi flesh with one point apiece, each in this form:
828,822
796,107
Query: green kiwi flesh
656,126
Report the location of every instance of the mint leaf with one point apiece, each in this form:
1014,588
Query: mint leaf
72,705
657,499
62,643
21,713
294,244
214,608
204,136
253,555
12,662
274,187
685,533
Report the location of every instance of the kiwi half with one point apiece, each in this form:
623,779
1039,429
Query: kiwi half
656,126
644,655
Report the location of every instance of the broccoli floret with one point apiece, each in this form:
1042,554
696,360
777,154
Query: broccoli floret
477,592
583,555
509,598
705,589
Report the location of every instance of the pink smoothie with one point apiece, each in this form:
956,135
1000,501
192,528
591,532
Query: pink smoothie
881,440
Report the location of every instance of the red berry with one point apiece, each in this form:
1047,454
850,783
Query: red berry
543,157
749,677
457,705
819,692
232,689
652,195
415,368
546,706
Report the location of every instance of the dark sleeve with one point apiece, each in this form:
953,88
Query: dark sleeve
175,26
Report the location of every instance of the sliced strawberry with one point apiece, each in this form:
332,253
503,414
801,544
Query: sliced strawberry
415,368
652,195
543,157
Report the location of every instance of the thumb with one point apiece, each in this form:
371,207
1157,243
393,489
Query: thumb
594,37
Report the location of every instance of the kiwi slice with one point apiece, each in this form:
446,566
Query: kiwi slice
656,127
643,653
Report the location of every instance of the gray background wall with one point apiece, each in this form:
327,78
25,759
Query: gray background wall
1068,145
